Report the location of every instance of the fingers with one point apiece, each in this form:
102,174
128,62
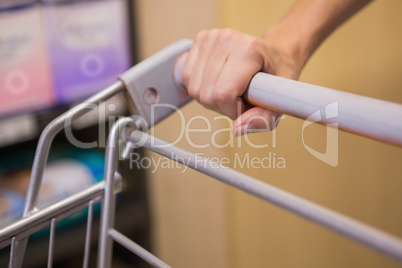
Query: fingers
219,68
255,120
193,76
232,83
216,61
217,71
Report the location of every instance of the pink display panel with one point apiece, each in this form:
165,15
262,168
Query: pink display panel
25,80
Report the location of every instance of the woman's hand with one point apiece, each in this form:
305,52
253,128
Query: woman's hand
221,64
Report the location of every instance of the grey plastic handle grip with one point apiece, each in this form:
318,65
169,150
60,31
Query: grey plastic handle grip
368,117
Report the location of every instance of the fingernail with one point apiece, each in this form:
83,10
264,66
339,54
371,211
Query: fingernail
247,129
241,130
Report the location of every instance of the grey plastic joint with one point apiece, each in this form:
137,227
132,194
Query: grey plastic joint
151,84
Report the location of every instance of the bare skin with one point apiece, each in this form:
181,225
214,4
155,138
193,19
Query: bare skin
222,62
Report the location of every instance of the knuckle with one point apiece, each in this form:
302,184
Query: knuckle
206,100
193,90
185,77
220,97
228,32
206,37
213,32
256,43
225,35
253,44
200,36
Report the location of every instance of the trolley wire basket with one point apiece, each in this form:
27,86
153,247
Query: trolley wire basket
151,82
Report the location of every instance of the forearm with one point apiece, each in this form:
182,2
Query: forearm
308,23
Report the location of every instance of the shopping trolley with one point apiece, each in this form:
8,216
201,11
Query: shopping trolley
156,82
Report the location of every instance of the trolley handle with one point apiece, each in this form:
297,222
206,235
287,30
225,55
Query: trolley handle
368,117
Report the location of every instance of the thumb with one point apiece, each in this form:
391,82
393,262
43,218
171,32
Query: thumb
255,119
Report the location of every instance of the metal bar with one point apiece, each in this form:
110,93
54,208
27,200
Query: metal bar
51,243
11,251
88,235
137,249
48,134
362,233
108,204
60,210
42,153
368,117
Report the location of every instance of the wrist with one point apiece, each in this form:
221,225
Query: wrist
307,24
292,41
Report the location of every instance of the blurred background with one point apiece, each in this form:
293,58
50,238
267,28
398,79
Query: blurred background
53,55
187,219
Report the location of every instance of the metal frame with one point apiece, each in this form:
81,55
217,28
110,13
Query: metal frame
126,129
107,232
365,116
301,103
360,232
18,238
